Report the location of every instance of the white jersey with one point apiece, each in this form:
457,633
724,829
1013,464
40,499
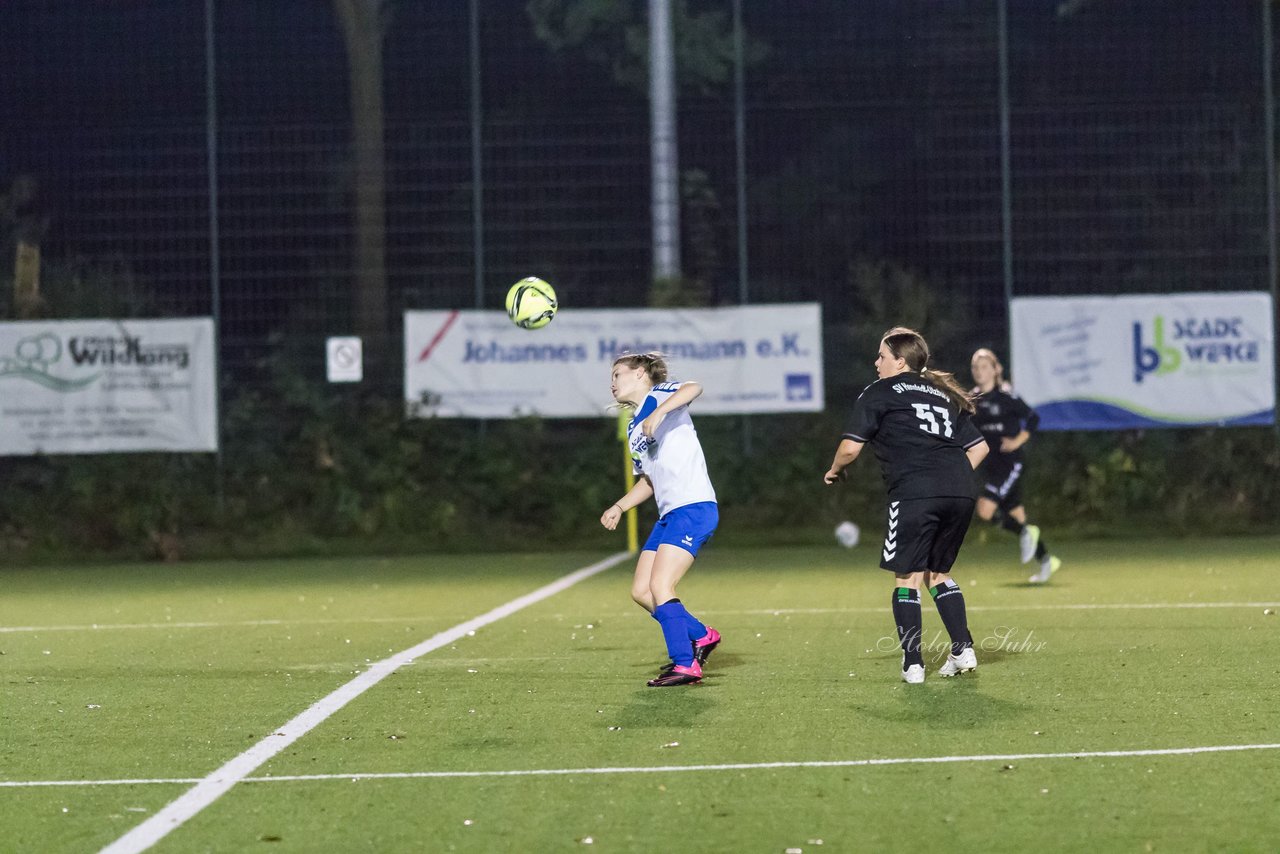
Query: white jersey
673,459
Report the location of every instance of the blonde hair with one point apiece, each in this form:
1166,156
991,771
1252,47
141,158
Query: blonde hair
910,346
654,365
989,355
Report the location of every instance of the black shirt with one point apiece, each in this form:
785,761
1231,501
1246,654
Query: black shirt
1002,413
919,436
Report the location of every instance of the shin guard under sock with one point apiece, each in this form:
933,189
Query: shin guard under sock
1012,525
950,603
906,616
674,619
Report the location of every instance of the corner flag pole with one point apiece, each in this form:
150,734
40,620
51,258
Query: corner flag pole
629,478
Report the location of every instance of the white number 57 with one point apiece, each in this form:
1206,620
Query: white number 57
928,423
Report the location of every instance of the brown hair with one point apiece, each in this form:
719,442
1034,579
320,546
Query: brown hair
910,346
654,364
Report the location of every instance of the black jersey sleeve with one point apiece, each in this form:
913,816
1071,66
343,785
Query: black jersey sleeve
1028,416
868,411
969,434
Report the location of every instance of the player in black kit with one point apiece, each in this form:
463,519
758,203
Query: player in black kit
1007,422
917,422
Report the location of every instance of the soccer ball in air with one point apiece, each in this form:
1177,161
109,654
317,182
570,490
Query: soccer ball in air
847,533
531,303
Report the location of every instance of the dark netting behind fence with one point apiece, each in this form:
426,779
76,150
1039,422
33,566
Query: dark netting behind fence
1137,157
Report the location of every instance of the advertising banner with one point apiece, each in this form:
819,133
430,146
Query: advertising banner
1176,360
477,364
99,386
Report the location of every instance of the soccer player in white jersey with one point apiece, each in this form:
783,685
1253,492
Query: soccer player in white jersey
668,458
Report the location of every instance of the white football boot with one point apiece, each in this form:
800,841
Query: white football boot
962,663
1048,567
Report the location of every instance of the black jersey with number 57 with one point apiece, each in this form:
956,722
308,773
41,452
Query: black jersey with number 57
919,436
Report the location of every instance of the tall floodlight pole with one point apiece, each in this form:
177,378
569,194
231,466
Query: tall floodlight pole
740,147
215,260
665,162
740,162
1269,155
477,158
1006,180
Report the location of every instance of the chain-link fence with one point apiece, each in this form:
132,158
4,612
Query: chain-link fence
296,175
874,155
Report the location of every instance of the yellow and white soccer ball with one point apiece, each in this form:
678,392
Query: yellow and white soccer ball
531,303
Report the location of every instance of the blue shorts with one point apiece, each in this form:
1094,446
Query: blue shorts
688,527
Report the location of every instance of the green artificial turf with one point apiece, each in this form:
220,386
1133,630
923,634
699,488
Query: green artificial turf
1138,645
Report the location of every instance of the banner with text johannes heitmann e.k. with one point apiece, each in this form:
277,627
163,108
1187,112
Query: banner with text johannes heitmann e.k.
105,386
477,364
1176,360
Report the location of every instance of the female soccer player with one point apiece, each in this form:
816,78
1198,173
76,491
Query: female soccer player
665,452
1007,422
917,421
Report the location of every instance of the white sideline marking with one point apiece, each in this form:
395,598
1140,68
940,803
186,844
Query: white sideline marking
1085,606
212,787
738,766
752,766
1079,606
97,627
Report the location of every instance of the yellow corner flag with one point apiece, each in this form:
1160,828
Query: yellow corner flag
629,478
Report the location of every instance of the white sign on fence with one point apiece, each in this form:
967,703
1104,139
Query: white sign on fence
477,364
1101,363
97,386
344,359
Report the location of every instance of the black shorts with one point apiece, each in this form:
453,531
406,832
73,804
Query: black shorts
924,534
1002,481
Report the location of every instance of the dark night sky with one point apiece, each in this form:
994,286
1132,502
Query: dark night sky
121,61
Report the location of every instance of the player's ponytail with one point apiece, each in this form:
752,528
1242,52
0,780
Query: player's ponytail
910,346
948,383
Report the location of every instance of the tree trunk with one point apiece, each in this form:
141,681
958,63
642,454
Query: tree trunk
362,27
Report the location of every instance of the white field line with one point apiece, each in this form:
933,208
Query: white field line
96,627
673,769
1079,606
212,787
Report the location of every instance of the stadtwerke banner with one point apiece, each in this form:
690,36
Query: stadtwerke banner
1177,360
477,364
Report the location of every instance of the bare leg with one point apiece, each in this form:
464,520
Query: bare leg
640,583
668,567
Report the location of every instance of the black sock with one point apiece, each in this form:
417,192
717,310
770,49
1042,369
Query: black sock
1011,524
950,602
1041,551
906,615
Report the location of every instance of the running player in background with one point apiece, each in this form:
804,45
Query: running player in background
917,422
665,452
1007,422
